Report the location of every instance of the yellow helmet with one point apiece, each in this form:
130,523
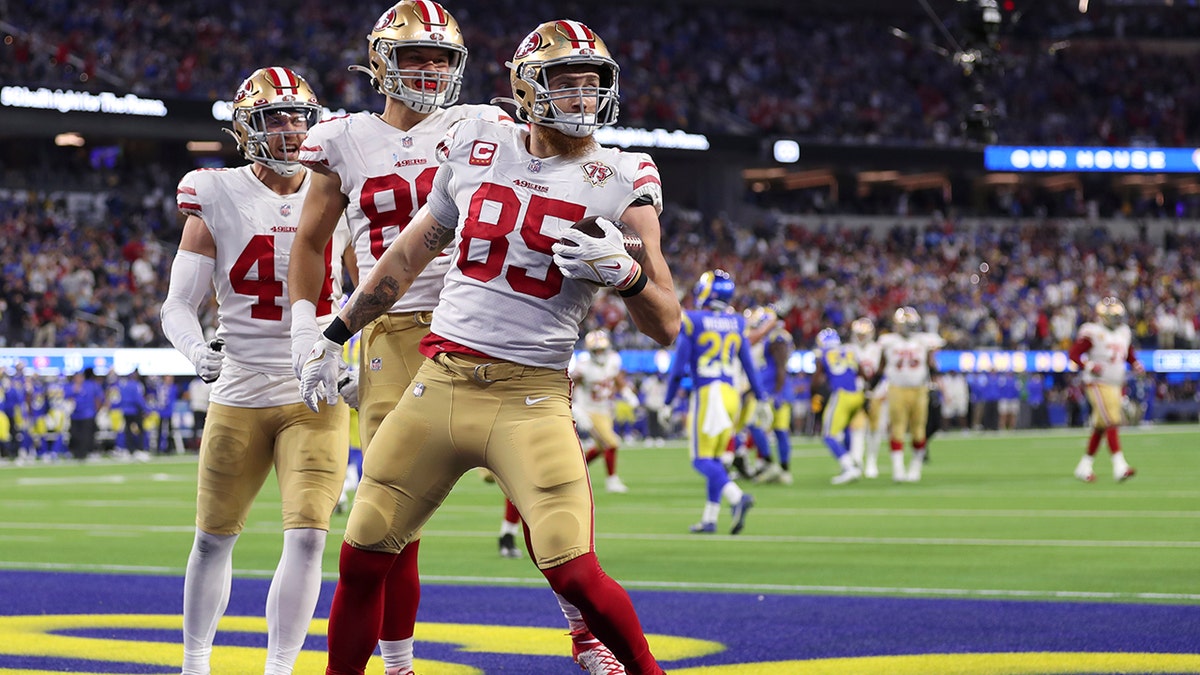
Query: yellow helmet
273,102
563,43
906,320
862,330
757,317
597,341
1111,311
415,23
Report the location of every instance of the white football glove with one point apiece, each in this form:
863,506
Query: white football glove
602,261
208,359
305,332
348,387
319,376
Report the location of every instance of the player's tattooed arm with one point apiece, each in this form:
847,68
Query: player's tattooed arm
371,304
438,237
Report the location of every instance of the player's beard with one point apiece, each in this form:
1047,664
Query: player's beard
562,145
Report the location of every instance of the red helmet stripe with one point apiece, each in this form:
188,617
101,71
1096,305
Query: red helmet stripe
282,78
431,13
576,32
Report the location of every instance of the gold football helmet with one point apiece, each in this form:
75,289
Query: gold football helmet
273,103
563,43
415,23
757,317
906,320
862,330
597,341
1111,311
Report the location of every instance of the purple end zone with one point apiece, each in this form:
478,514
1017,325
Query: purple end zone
778,627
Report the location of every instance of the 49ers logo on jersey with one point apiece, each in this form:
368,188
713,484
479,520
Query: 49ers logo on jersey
597,173
482,153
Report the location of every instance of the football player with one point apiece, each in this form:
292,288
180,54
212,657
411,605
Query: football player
837,371
493,391
1103,350
907,360
599,380
237,221
712,345
771,355
867,432
377,170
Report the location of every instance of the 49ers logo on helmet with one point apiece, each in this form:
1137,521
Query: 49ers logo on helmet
528,46
385,20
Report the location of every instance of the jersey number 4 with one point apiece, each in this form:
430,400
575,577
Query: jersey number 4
259,256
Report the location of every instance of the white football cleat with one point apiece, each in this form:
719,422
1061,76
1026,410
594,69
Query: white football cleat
592,656
1085,475
1123,474
846,476
771,474
613,484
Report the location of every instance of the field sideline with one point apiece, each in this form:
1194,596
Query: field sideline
998,518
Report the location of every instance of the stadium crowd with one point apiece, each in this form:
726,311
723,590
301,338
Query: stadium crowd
814,75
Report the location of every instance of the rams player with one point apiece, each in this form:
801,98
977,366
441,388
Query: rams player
240,222
837,370
1103,350
493,391
712,344
773,414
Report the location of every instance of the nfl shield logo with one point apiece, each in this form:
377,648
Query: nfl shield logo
285,210
535,165
376,364
419,390
407,141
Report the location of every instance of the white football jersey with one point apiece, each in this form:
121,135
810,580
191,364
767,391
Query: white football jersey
504,297
1110,348
596,382
386,175
869,355
253,228
908,357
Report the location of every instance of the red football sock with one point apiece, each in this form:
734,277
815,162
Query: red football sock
511,514
897,446
1114,443
920,445
610,460
591,454
607,610
1094,442
357,611
401,595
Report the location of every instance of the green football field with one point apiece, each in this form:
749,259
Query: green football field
997,515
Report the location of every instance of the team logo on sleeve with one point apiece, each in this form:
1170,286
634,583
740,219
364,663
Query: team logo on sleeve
482,153
597,173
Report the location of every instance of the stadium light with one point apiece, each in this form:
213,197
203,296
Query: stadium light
787,151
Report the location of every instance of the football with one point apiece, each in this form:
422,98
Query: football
633,243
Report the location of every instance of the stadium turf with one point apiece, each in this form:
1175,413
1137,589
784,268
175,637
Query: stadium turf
997,562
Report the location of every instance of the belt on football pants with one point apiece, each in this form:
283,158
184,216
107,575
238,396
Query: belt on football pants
401,320
482,370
